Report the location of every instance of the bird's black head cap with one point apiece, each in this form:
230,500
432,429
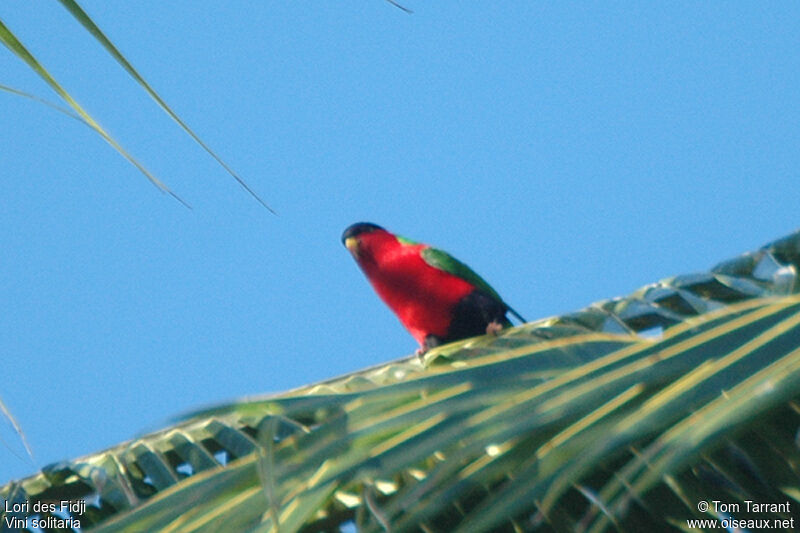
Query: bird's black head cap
358,228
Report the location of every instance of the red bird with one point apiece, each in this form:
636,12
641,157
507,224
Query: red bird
438,298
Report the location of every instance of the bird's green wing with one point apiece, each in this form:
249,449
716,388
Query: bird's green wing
444,261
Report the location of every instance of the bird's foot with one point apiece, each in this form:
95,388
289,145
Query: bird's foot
494,328
420,352
431,341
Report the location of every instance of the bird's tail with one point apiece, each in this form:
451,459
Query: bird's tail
516,315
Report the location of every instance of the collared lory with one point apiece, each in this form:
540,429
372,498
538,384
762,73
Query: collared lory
437,298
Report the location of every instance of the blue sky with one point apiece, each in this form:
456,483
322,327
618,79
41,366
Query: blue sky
568,152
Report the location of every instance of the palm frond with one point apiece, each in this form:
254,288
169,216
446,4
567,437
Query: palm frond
624,415
83,18
12,42
17,48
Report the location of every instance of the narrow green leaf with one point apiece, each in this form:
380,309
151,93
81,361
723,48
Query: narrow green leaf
13,44
399,6
13,421
48,103
87,23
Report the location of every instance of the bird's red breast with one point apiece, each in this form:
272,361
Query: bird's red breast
423,297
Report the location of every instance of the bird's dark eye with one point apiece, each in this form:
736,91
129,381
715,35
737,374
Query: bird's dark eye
357,229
